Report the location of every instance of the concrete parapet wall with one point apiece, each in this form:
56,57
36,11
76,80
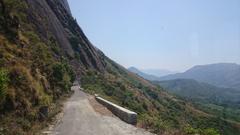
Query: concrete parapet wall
124,114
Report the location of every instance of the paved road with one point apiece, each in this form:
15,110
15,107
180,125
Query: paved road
80,119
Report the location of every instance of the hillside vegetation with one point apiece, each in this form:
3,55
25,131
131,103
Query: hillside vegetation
158,111
31,76
194,90
43,50
222,102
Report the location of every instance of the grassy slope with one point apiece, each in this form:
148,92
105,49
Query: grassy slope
222,102
194,90
34,76
158,111
37,75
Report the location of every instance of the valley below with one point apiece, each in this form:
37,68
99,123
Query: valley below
43,50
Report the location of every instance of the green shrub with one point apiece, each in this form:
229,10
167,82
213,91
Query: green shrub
16,9
45,100
54,45
210,131
3,84
33,37
75,43
63,75
190,130
58,71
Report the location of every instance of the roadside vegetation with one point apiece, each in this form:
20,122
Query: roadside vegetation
31,76
35,74
158,111
3,84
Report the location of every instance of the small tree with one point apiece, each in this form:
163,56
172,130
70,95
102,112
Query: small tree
210,131
3,84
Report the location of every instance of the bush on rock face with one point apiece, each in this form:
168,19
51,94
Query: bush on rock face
3,84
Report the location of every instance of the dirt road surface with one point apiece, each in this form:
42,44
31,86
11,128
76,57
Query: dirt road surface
79,118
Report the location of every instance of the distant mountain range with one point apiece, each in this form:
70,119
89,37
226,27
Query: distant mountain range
151,74
43,50
225,75
222,75
213,83
142,74
198,91
158,72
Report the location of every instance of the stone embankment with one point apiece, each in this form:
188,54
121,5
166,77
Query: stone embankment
124,114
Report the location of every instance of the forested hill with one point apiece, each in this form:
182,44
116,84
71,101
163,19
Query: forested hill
221,74
43,50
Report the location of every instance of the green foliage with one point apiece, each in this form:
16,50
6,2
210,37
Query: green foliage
75,43
54,46
188,130
33,63
197,91
4,79
58,71
210,131
224,112
63,74
33,37
11,6
11,16
158,111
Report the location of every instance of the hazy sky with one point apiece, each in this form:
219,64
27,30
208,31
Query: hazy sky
162,34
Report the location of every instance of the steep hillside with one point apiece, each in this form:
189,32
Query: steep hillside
61,27
158,111
194,90
222,75
211,99
43,50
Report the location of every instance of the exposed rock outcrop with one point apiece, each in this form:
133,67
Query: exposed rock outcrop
66,5
53,19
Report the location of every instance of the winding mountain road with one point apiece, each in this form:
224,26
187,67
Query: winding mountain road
79,118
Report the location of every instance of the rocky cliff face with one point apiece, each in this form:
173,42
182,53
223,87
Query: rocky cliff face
53,19
42,48
41,45
66,5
